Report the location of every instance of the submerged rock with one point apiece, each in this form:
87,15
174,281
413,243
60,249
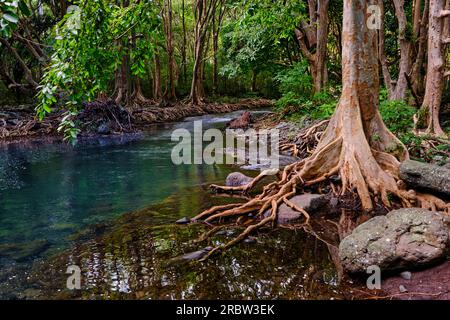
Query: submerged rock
424,175
237,179
308,201
196,255
403,238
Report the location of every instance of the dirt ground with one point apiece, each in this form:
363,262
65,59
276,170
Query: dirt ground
428,284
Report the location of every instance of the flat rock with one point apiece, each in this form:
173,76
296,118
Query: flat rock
428,176
308,201
404,238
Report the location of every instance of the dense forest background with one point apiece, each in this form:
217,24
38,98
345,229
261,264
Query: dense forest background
59,54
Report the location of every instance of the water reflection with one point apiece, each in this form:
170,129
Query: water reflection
133,259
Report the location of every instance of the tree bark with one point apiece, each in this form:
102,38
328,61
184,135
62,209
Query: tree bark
203,12
417,69
157,92
217,23
356,143
429,113
315,35
397,89
26,70
169,94
184,45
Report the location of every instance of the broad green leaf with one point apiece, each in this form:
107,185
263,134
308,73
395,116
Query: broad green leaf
11,17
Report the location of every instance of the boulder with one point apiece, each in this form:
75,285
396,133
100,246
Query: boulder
427,176
237,179
403,238
308,201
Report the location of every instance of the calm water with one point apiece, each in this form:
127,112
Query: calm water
108,206
48,191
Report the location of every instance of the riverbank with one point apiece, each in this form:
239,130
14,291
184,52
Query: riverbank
106,118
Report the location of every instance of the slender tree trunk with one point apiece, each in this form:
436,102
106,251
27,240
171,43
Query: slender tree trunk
315,35
169,94
203,12
417,69
254,78
26,70
184,45
399,93
157,92
429,113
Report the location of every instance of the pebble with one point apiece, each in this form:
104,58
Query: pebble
402,288
406,275
249,240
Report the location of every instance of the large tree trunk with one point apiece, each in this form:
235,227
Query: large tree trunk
356,141
429,113
197,92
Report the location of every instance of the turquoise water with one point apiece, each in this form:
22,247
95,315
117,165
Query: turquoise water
50,190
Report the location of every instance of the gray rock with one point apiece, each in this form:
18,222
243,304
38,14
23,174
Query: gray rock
237,179
184,220
403,238
196,255
308,201
428,176
406,275
402,288
249,240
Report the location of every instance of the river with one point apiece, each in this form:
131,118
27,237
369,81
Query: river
108,205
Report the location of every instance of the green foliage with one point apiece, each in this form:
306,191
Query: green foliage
90,43
296,81
397,115
10,13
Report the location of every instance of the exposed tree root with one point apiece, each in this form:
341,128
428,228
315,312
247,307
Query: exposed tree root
366,164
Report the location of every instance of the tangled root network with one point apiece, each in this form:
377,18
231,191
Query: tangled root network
366,156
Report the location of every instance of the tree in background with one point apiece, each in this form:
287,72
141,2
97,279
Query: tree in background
438,39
